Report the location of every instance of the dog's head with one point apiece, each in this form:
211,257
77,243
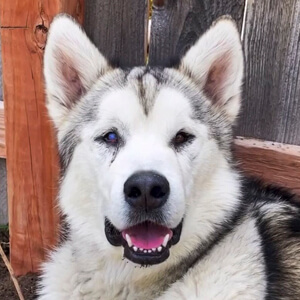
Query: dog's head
139,146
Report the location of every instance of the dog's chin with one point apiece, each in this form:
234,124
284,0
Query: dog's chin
146,243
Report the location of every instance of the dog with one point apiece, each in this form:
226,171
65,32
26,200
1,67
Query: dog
154,202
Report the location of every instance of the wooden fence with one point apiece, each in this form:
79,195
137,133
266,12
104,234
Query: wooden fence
119,28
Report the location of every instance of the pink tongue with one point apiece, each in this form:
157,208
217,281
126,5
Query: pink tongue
147,235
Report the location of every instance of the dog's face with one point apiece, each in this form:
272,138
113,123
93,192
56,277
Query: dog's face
136,145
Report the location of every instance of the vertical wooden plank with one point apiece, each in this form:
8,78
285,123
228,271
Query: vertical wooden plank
32,168
271,107
119,29
176,25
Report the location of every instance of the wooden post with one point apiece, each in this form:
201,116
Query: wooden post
32,168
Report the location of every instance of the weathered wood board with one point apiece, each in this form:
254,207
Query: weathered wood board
176,25
119,29
32,168
275,163
271,107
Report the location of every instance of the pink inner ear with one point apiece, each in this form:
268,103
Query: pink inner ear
72,83
216,80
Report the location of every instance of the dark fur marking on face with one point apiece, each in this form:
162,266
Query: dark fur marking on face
142,93
116,151
66,149
114,156
142,79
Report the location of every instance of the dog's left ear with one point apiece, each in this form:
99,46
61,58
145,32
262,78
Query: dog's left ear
72,64
215,63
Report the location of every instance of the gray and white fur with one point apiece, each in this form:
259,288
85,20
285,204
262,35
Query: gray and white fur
239,240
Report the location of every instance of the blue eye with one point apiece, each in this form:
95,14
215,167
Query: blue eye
111,138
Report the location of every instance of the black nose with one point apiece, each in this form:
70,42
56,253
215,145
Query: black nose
147,190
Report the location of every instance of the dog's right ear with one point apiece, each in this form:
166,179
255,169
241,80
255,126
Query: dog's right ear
72,64
216,64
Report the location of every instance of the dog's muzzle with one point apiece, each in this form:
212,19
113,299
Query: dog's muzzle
148,241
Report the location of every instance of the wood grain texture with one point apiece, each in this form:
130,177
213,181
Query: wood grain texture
275,163
271,108
119,29
2,132
176,25
32,165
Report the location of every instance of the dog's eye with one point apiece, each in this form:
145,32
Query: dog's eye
111,138
181,138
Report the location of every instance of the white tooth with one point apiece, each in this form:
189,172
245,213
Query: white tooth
153,249
135,248
149,251
166,239
128,239
145,251
159,249
141,249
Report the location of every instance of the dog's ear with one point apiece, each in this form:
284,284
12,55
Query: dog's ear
71,65
215,63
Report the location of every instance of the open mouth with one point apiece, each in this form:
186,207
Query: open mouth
146,243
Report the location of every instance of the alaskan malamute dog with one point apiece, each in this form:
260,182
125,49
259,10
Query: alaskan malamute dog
155,206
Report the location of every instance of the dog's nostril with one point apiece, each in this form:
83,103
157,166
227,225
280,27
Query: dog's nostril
157,192
134,192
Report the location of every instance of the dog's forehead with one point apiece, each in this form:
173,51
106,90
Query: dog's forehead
145,96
